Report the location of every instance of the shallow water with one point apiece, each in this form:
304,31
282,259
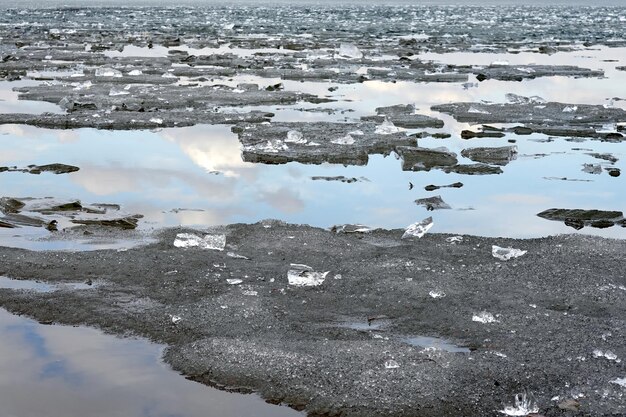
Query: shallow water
61,371
195,176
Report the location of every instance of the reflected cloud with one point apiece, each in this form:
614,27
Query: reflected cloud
213,148
283,199
56,371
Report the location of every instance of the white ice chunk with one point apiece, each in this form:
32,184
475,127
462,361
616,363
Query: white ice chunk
473,109
517,99
175,319
346,140
387,128
418,229
168,75
304,276
437,294
500,63
188,240
135,72
294,136
619,381
597,353
484,317
156,120
504,254
523,407
454,239
234,281
570,109
348,50
116,92
391,364
108,72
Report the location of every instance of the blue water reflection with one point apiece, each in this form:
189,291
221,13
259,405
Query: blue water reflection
59,371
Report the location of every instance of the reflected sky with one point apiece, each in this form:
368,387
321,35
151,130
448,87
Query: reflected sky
200,169
59,371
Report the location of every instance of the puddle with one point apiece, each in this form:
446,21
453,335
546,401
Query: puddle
364,326
435,342
60,371
37,286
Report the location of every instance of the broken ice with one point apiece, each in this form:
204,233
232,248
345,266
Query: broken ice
523,407
293,136
346,140
234,281
437,294
391,364
387,128
597,353
108,72
188,240
175,319
484,317
504,254
303,276
619,381
418,229
348,50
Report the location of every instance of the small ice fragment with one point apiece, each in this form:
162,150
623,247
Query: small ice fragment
348,50
156,120
391,364
234,281
175,319
356,133
595,169
293,136
250,293
523,407
346,140
337,276
418,229
500,63
168,75
236,256
135,72
597,353
108,72
473,109
188,240
454,239
570,109
304,276
619,381
484,317
116,92
504,254
437,294
387,128
350,228
517,99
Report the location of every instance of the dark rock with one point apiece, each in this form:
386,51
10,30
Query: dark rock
469,134
579,218
498,156
474,169
436,187
315,143
424,159
613,172
433,203
129,222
